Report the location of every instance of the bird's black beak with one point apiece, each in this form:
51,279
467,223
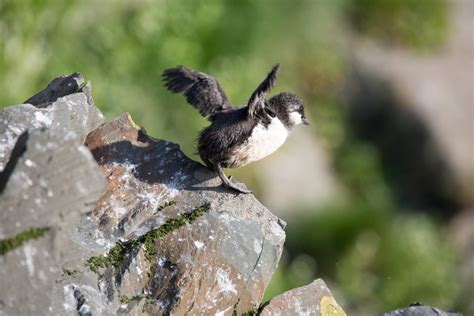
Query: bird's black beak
304,120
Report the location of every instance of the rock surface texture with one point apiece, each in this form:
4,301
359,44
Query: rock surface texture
311,299
105,220
421,310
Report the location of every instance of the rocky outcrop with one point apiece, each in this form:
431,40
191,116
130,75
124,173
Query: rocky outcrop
420,310
312,299
184,244
106,220
65,106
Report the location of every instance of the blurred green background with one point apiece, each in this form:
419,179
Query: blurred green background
375,253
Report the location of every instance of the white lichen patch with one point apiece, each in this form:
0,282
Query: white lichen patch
199,244
224,282
120,211
29,163
257,246
69,300
162,261
29,253
43,118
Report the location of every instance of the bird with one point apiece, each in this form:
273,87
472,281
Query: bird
237,136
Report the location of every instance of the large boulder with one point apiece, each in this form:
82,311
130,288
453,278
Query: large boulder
48,181
172,240
107,220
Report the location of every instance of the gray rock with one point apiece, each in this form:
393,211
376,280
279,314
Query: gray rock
165,237
73,115
312,299
159,235
53,182
218,259
420,310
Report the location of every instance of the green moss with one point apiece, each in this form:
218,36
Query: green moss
9,244
171,224
196,213
127,299
117,255
67,272
162,207
149,302
96,262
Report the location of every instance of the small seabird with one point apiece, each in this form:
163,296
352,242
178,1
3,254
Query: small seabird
237,136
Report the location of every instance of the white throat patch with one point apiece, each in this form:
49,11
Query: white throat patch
262,142
295,118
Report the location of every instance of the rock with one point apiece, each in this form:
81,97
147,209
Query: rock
54,181
420,310
185,244
107,220
312,299
73,114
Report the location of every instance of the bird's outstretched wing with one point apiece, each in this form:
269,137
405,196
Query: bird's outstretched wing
201,90
257,100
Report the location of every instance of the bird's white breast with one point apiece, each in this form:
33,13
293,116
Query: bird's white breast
262,142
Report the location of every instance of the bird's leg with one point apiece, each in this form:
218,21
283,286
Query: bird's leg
226,181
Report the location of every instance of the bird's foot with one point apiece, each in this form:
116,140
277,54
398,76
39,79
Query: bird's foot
239,187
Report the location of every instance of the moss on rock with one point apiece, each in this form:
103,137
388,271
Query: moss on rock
19,239
117,255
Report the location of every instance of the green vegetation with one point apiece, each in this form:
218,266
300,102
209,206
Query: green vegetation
127,299
7,245
411,23
165,205
67,272
96,262
118,254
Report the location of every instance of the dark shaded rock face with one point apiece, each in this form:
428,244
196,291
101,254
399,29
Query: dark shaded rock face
140,229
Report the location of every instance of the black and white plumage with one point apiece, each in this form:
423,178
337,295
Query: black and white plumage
237,136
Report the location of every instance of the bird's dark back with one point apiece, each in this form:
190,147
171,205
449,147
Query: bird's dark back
228,129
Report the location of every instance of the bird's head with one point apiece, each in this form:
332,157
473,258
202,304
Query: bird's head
289,108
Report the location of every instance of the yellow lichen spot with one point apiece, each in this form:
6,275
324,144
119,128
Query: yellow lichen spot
329,307
129,117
